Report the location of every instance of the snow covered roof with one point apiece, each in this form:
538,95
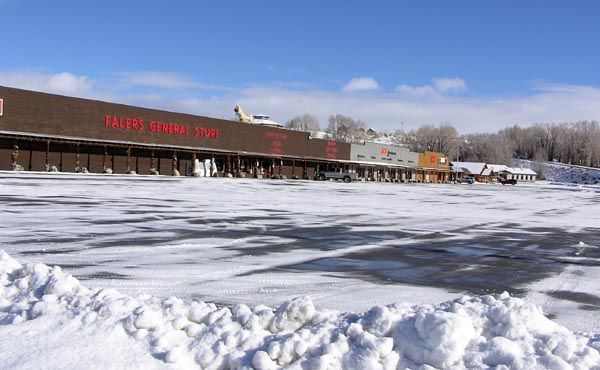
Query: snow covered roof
520,171
487,172
319,135
497,167
474,168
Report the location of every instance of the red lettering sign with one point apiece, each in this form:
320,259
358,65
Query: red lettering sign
276,135
278,143
433,159
210,133
123,123
384,151
158,127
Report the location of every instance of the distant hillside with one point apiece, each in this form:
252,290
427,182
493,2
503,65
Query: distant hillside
559,172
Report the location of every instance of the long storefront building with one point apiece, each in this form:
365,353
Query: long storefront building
42,132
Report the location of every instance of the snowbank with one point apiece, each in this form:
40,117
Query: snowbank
564,173
470,332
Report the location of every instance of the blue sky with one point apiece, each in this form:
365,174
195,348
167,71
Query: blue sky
480,65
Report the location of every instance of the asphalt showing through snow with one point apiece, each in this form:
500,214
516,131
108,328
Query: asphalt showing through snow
201,237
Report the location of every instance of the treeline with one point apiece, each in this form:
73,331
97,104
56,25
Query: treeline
573,143
342,128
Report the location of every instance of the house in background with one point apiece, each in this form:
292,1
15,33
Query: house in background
477,170
483,172
496,169
519,174
434,167
456,173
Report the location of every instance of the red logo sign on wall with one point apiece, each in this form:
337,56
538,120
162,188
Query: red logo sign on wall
158,127
1,106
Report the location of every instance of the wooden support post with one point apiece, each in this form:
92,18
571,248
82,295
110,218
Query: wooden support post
30,159
293,167
128,159
272,167
194,164
47,159
77,160
14,156
305,172
104,159
174,171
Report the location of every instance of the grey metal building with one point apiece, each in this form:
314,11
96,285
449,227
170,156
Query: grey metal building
382,162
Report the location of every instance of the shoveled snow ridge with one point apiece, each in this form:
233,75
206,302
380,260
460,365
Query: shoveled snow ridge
470,332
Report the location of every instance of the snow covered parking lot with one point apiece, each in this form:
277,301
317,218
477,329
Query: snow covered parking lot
348,247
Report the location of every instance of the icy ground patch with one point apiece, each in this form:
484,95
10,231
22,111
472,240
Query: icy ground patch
346,246
475,333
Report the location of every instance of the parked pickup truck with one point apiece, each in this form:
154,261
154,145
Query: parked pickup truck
507,181
337,174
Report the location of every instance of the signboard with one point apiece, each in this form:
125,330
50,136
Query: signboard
1,106
53,115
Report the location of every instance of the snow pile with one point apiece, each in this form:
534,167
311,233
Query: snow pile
471,332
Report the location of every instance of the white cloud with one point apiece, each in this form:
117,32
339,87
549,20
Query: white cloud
163,80
416,90
382,111
361,84
449,84
439,86
61,83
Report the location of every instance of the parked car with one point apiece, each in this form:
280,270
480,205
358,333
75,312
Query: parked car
507,181
336,174
466,180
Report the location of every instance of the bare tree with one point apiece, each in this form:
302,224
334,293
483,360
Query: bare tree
443,138
446,138
574,143
306,122
346,128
